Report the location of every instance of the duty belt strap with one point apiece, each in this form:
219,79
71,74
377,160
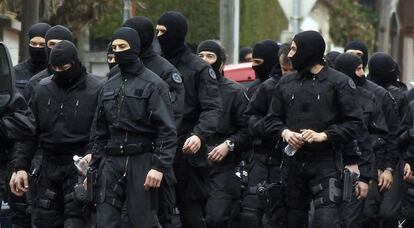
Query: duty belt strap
130,149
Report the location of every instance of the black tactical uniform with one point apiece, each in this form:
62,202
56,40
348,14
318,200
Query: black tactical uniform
324,103
64,106
172,77
23,72
135,133
200,117
383,70
371,139
37,61
266,50
266,163
225,189
17,125
57,32
407,147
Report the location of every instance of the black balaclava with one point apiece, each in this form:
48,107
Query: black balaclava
172,41
128,61
63,53
383,70
331,57
57,32
361,46
310,49
38,55
110,51
243,52
348,63
268,51
213,46
145,30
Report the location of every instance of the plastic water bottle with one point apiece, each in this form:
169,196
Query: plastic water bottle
289,150
81,164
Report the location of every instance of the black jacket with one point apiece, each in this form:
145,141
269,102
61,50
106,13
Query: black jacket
33,82
256,110
232,124
371,139
136,110
169,74
202,108
24,71
324,103
63,117
389,156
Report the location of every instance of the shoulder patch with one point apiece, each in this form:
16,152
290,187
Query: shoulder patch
176,78
351,84
212,74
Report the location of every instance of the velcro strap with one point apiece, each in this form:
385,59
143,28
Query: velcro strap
116,203
50,194
44,203
316,188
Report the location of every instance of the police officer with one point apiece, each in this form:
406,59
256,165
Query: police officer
266,162
227,143
135,135
406,144
37,61
69,96
384,71
386,155
172,77
23,72
18,125
53,36
265,57
375,130
201,114
314,112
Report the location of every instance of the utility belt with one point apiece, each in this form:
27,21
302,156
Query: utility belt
129,149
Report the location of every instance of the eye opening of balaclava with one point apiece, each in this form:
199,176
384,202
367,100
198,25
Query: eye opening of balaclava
360,46
213,46
64,53
109,51
174,37
268,51
145,29
37,54
348,63
57,32
310,49
383,69
128,60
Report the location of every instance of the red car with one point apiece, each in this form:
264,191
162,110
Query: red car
242,73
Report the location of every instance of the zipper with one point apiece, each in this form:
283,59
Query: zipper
121,100
76,107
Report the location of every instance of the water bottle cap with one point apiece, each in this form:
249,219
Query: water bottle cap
76,157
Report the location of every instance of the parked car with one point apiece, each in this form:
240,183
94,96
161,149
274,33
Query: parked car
242,73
